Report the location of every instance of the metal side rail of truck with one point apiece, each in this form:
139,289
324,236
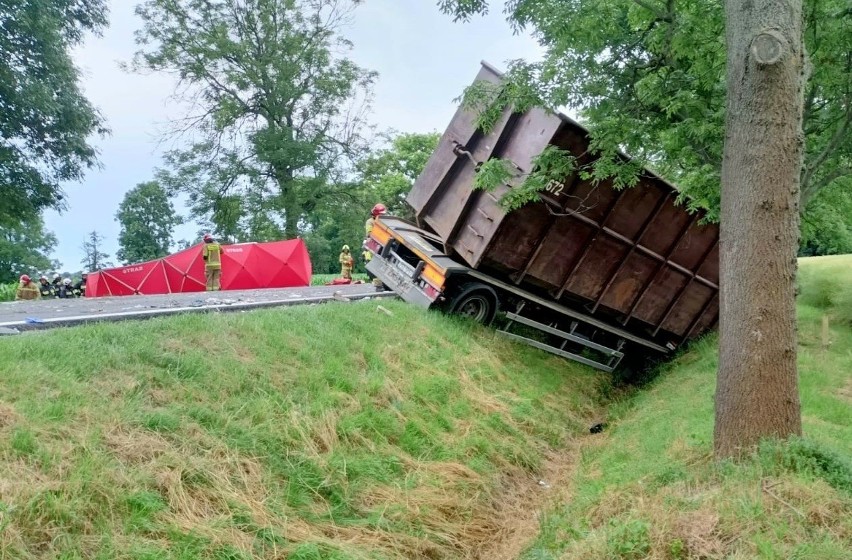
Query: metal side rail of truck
606,276
410,261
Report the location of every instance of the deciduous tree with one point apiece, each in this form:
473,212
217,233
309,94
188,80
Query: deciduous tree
757,392
647,75
385,175
278,108
388,174
45,120
95,259
148,218
25,248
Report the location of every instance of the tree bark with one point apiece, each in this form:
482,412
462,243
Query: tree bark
757,392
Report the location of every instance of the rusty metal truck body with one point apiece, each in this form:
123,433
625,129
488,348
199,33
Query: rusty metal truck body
592,269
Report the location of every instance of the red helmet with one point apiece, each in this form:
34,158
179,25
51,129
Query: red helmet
208,237
378,210
25,278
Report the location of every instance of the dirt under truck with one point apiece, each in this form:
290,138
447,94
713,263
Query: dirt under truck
588,272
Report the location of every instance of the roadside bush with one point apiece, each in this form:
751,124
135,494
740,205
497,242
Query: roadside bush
629,540
807,456
7,292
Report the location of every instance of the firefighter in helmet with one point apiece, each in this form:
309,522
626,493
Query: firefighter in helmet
45,288
80,287
66,290
27,289
378,210
212,255
346,262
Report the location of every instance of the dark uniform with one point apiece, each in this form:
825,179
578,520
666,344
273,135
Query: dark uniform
66,290
45,288
80,287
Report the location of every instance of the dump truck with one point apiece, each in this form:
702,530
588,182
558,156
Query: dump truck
587,272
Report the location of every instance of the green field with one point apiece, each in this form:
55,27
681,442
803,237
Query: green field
312,432
648,488
338,431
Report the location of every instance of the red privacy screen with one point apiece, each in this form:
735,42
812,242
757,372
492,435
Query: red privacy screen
245,266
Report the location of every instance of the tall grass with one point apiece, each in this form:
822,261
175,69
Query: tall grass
826,284
332,431
8,291
649,488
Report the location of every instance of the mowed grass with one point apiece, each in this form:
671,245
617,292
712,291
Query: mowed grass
649,488
331,431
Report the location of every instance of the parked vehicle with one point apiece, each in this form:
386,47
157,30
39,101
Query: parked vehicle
588,272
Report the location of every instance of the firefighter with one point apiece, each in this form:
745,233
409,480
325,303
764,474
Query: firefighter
346,263
66,290
212,255
57,283
80,287
378,210
45,288
27,289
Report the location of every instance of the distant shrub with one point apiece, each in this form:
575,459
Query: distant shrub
7,292
842,304
817,288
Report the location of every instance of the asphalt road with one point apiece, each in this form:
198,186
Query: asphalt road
29,315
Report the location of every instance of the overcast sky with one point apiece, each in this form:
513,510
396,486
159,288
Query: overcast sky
423,58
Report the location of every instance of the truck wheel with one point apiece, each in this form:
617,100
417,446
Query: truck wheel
475,301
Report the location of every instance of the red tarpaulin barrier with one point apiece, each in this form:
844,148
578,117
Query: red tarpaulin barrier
245,266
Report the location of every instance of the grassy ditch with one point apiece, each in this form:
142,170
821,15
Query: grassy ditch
330,431
648,487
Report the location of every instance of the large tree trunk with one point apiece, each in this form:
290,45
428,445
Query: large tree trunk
757,392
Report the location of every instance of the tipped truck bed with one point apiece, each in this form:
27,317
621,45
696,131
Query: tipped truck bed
631,258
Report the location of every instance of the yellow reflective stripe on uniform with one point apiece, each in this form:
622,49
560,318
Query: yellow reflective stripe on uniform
213,253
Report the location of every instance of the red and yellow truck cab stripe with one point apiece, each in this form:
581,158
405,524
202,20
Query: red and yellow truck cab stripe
432,273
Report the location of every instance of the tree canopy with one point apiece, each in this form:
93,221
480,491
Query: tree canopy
45,120
277,107
385,175
648,77
147,219
25,249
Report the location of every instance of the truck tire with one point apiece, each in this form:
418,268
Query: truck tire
475,301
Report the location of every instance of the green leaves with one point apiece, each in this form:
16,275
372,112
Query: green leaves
648,78
551,168
147,219
45,121
279,107
24,248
